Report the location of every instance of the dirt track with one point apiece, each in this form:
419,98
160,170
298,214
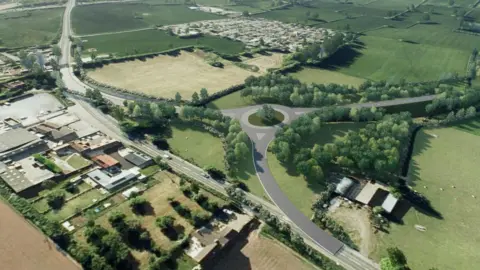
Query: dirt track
23,247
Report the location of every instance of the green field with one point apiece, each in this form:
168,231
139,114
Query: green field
323,76
230,101
156,41
196,144
450,159
298,14
383,58
38,27
301,192
103,18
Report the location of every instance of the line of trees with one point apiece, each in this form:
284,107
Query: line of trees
277,88
140,116
237,149
316,52
286,90
452,100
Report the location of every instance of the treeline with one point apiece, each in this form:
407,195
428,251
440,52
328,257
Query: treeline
288,91
375,148
237,142
143,116
316,52
454,99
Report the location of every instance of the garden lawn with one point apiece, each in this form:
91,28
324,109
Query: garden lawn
301,192
103,18
387,59
451,158
150,170
231,101
18,29
196,144
323,76
77,161
70,207
150,41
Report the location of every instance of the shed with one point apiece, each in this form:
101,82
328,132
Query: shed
344,186
389,204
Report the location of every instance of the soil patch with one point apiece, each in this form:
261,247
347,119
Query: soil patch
259,252
356,222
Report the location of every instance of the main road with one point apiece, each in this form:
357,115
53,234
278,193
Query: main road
283,208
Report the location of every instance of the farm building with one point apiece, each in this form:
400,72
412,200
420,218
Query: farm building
371,194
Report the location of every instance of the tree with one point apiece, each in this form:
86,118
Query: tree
195,98
241,151
426,17
178,97
203,94
138,204
471,112
451,2
56,199
165,222
245,13
114,249
396,256
56,51
266,112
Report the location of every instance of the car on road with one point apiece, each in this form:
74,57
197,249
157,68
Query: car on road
165,156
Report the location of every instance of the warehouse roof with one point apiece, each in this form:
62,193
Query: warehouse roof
15,138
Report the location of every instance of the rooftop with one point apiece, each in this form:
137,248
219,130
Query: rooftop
137,158
23,174
110,182
105,161
15,138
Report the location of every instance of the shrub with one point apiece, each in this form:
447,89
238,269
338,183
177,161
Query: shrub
48,163
165,222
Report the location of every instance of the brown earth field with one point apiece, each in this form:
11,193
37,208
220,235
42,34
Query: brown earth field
260,253
164,75
24,247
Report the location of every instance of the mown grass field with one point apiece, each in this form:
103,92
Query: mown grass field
160,76
197,144
302,193
150,41
450,159
231,101
19,29
102,18
298,14
323,76
387,59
